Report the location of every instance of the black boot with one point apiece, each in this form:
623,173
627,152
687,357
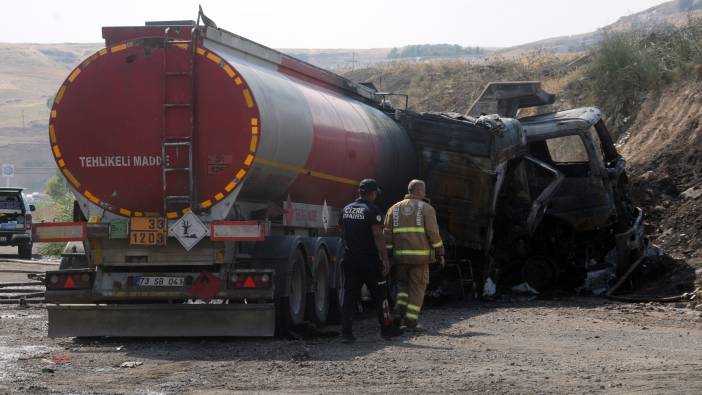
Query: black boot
390,331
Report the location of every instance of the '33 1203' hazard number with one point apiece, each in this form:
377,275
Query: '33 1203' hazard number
147,238
147,231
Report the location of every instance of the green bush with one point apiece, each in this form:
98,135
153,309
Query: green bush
60,208
630,65
432,50
623,71
57,189
685,48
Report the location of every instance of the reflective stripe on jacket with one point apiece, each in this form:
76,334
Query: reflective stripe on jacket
412,233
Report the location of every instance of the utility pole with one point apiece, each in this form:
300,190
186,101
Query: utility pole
352,62
22,120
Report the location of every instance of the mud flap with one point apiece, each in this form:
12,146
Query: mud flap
161,320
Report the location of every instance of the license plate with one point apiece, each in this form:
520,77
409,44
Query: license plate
3,238
161,281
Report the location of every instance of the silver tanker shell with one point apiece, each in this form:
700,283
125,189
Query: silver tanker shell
288,127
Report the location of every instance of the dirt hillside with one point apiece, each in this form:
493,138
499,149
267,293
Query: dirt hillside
664,155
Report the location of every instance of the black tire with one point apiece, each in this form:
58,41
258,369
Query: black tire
290,308
337,299
540,273
318,307
25,251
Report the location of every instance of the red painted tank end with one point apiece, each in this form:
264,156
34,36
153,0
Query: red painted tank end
115,116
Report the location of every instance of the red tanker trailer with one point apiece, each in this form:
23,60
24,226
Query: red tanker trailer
208,168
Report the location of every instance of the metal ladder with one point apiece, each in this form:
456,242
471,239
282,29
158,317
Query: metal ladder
170,143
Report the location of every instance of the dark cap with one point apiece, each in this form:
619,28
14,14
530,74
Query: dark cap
369,185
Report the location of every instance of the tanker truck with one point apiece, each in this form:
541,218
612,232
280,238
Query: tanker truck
209,172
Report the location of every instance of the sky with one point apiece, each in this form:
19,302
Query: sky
325,23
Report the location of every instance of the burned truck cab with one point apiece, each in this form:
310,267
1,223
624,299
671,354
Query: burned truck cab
568,141
591,213
477,172
548,209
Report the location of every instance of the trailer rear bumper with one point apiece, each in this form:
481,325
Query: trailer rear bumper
161,320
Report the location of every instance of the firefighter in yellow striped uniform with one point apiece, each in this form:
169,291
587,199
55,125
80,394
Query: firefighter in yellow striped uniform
412,234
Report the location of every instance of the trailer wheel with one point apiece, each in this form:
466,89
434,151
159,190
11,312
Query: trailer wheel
340,280
290,309
336,294
297,289
319,306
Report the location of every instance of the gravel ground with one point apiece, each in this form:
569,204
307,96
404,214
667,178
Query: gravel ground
570,345
561,346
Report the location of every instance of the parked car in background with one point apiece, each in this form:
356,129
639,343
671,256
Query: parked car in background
16,221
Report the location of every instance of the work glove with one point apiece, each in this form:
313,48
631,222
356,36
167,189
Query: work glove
385,267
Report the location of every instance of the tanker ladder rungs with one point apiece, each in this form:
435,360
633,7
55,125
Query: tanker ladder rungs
178,41
175,141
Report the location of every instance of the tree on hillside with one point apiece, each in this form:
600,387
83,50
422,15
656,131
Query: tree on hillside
432,50
57,189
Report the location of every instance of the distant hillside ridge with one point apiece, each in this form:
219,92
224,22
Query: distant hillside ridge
662,17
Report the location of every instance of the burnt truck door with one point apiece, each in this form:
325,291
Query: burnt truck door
616,178
583,200
629,231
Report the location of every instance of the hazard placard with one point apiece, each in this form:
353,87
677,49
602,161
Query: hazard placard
189,230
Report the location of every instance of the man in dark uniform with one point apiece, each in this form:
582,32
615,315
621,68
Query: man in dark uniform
365,260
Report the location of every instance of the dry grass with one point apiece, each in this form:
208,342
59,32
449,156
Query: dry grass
453,85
